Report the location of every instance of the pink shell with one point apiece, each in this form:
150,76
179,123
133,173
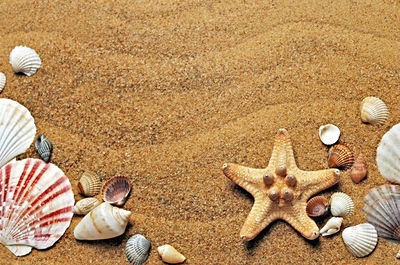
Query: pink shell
36,202
116,190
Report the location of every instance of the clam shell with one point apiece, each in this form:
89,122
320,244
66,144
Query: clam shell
2,81
340,156
359,170
17,130
116,190
332,226
137,249
24,60
170,255
374,111
89,184
36,205
388,155
329,134
103,222
360,240
317,206
84,206
341,204
44,147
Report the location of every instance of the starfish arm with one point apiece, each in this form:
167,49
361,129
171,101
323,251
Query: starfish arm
300,221
250,179
315,181
282,153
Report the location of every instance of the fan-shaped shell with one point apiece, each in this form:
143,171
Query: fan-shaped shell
2,81
332,226
17,130
374,111
329,134
24,60
89,184
341,204
137,249
340,156
116,190
84,206
36,205
170,255
388,155
44,147
360,240
359,170
382,206
317,206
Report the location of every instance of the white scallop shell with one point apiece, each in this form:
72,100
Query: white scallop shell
84,206
374,111
36,203
332,226
170,255
137,249
360,240
103,222
388,155
329,134
341,204
2,81
17,130
24,60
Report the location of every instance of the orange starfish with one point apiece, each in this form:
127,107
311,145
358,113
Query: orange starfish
281,190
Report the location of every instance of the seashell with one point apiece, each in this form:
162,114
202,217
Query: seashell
103,222
329,134
317,206
359,170
24,60
382,206
360,240
137,249
332,226
374,111
340,156
170,255
388,155
44,147
84,206
116,190
89,184
2,81
36,205
341,204
398,255
17,130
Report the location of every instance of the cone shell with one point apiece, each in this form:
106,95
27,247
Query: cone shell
340,156
89,184
341,204
317,206
360,240
44,147
329,134
388,155
332,226
116,190
24,60
170,255
2,81
137,249
359,170
374,111
36,205
84,206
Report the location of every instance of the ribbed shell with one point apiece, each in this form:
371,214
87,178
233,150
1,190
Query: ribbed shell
317,206
44,147
24,60
36,203
17,130
360,240
359,170
84,206
2,81
89,184
332,226
329,134
388,155
382,206
116,190
137,249
340,156
374,111
341,204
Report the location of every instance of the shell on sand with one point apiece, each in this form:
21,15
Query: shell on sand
24,60
170,255
89,184
340,156
84,206
341,204
137,249
116,190
332,226
388,155
2,81
359,170
360,240
44,147
329,134
374,111
317,206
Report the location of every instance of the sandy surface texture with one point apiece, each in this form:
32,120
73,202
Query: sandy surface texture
165,92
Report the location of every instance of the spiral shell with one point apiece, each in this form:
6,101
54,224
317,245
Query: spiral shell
341,204
317,206
137,249
44,147
359,170
340,156
170,255
84,206
2,81
332,226
388,155
116,190
374,111
89,184
329,134
360,240
24,60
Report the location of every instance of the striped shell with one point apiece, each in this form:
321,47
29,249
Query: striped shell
84,206
44,147
137,249
360,240
332,226
116,190
24,60
340,156
341,204
317,206
359,170
17,130
89,184
374,111
329,134
388,155
170,255
36,205
2,81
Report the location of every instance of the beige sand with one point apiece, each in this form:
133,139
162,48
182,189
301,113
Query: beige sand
167,91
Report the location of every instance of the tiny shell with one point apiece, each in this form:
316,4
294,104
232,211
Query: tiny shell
340,156
329,134
388,155
137,249
341,204
116,190
374,111
398,255
359,170
44,147
84,206
89,184
360,240
2,81
24,60
332,226
317,206
170,255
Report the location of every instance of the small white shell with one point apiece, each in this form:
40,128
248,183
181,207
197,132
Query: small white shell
388,155
170,255
2,81
332,226
137,249
398,255
329,134
341,204
360,240
24,60
84,206
374,111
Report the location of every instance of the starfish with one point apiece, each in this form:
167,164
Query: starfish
281,190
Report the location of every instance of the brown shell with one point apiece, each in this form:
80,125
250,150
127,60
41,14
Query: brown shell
359,170
115,191
340,156
317,206
89,184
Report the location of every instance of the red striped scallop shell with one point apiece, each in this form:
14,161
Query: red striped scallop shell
36,202
340,156
116,190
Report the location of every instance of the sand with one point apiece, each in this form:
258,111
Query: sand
165,92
